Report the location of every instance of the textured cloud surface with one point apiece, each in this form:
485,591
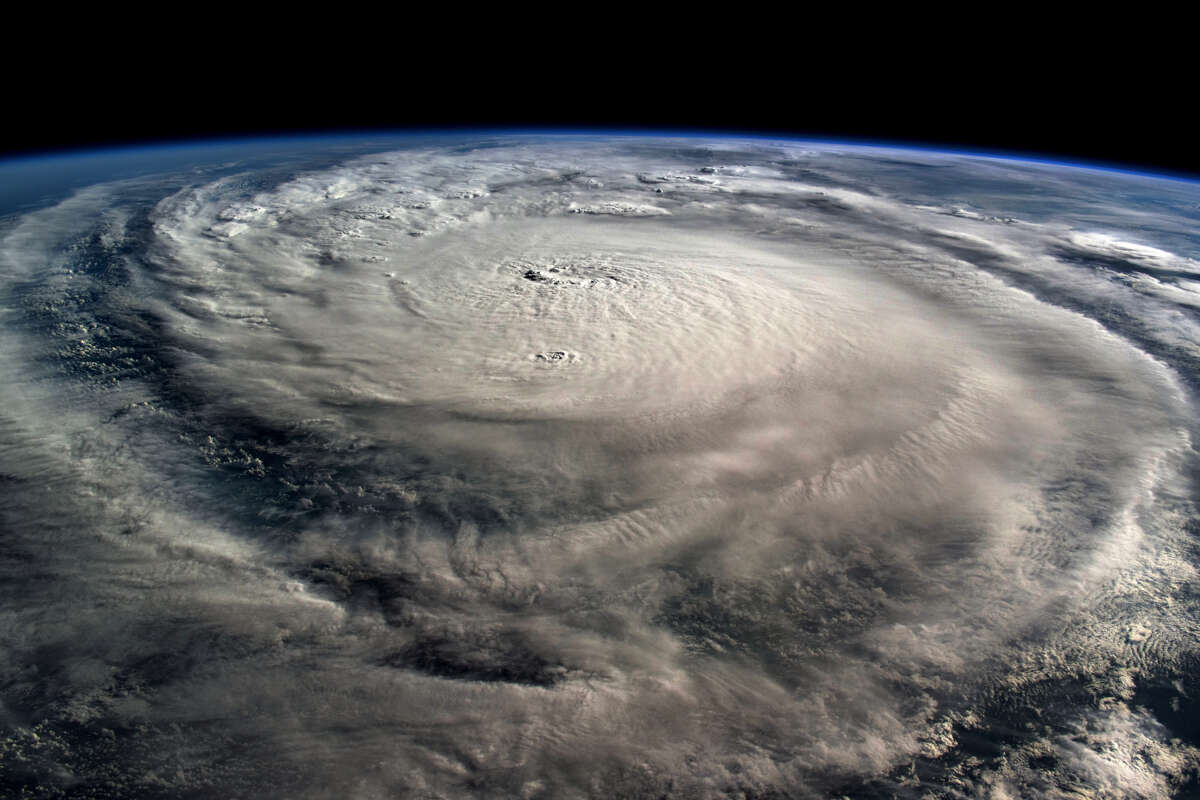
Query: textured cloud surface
576,467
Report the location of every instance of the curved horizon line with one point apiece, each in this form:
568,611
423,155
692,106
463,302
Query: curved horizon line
160,144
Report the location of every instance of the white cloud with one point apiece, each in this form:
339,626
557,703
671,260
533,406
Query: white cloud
811,476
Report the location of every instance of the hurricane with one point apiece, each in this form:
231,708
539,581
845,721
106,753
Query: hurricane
597,466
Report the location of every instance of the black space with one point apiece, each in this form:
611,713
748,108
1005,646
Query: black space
1091,101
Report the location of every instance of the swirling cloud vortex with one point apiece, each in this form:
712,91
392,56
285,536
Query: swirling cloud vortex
585,467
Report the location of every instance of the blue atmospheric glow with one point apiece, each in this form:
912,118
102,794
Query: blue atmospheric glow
268,141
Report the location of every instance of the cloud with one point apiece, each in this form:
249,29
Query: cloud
764,473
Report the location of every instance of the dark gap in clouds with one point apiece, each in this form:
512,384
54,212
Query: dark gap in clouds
479,655
1125,266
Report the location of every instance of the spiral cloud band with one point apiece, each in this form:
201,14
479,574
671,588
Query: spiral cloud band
566,467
